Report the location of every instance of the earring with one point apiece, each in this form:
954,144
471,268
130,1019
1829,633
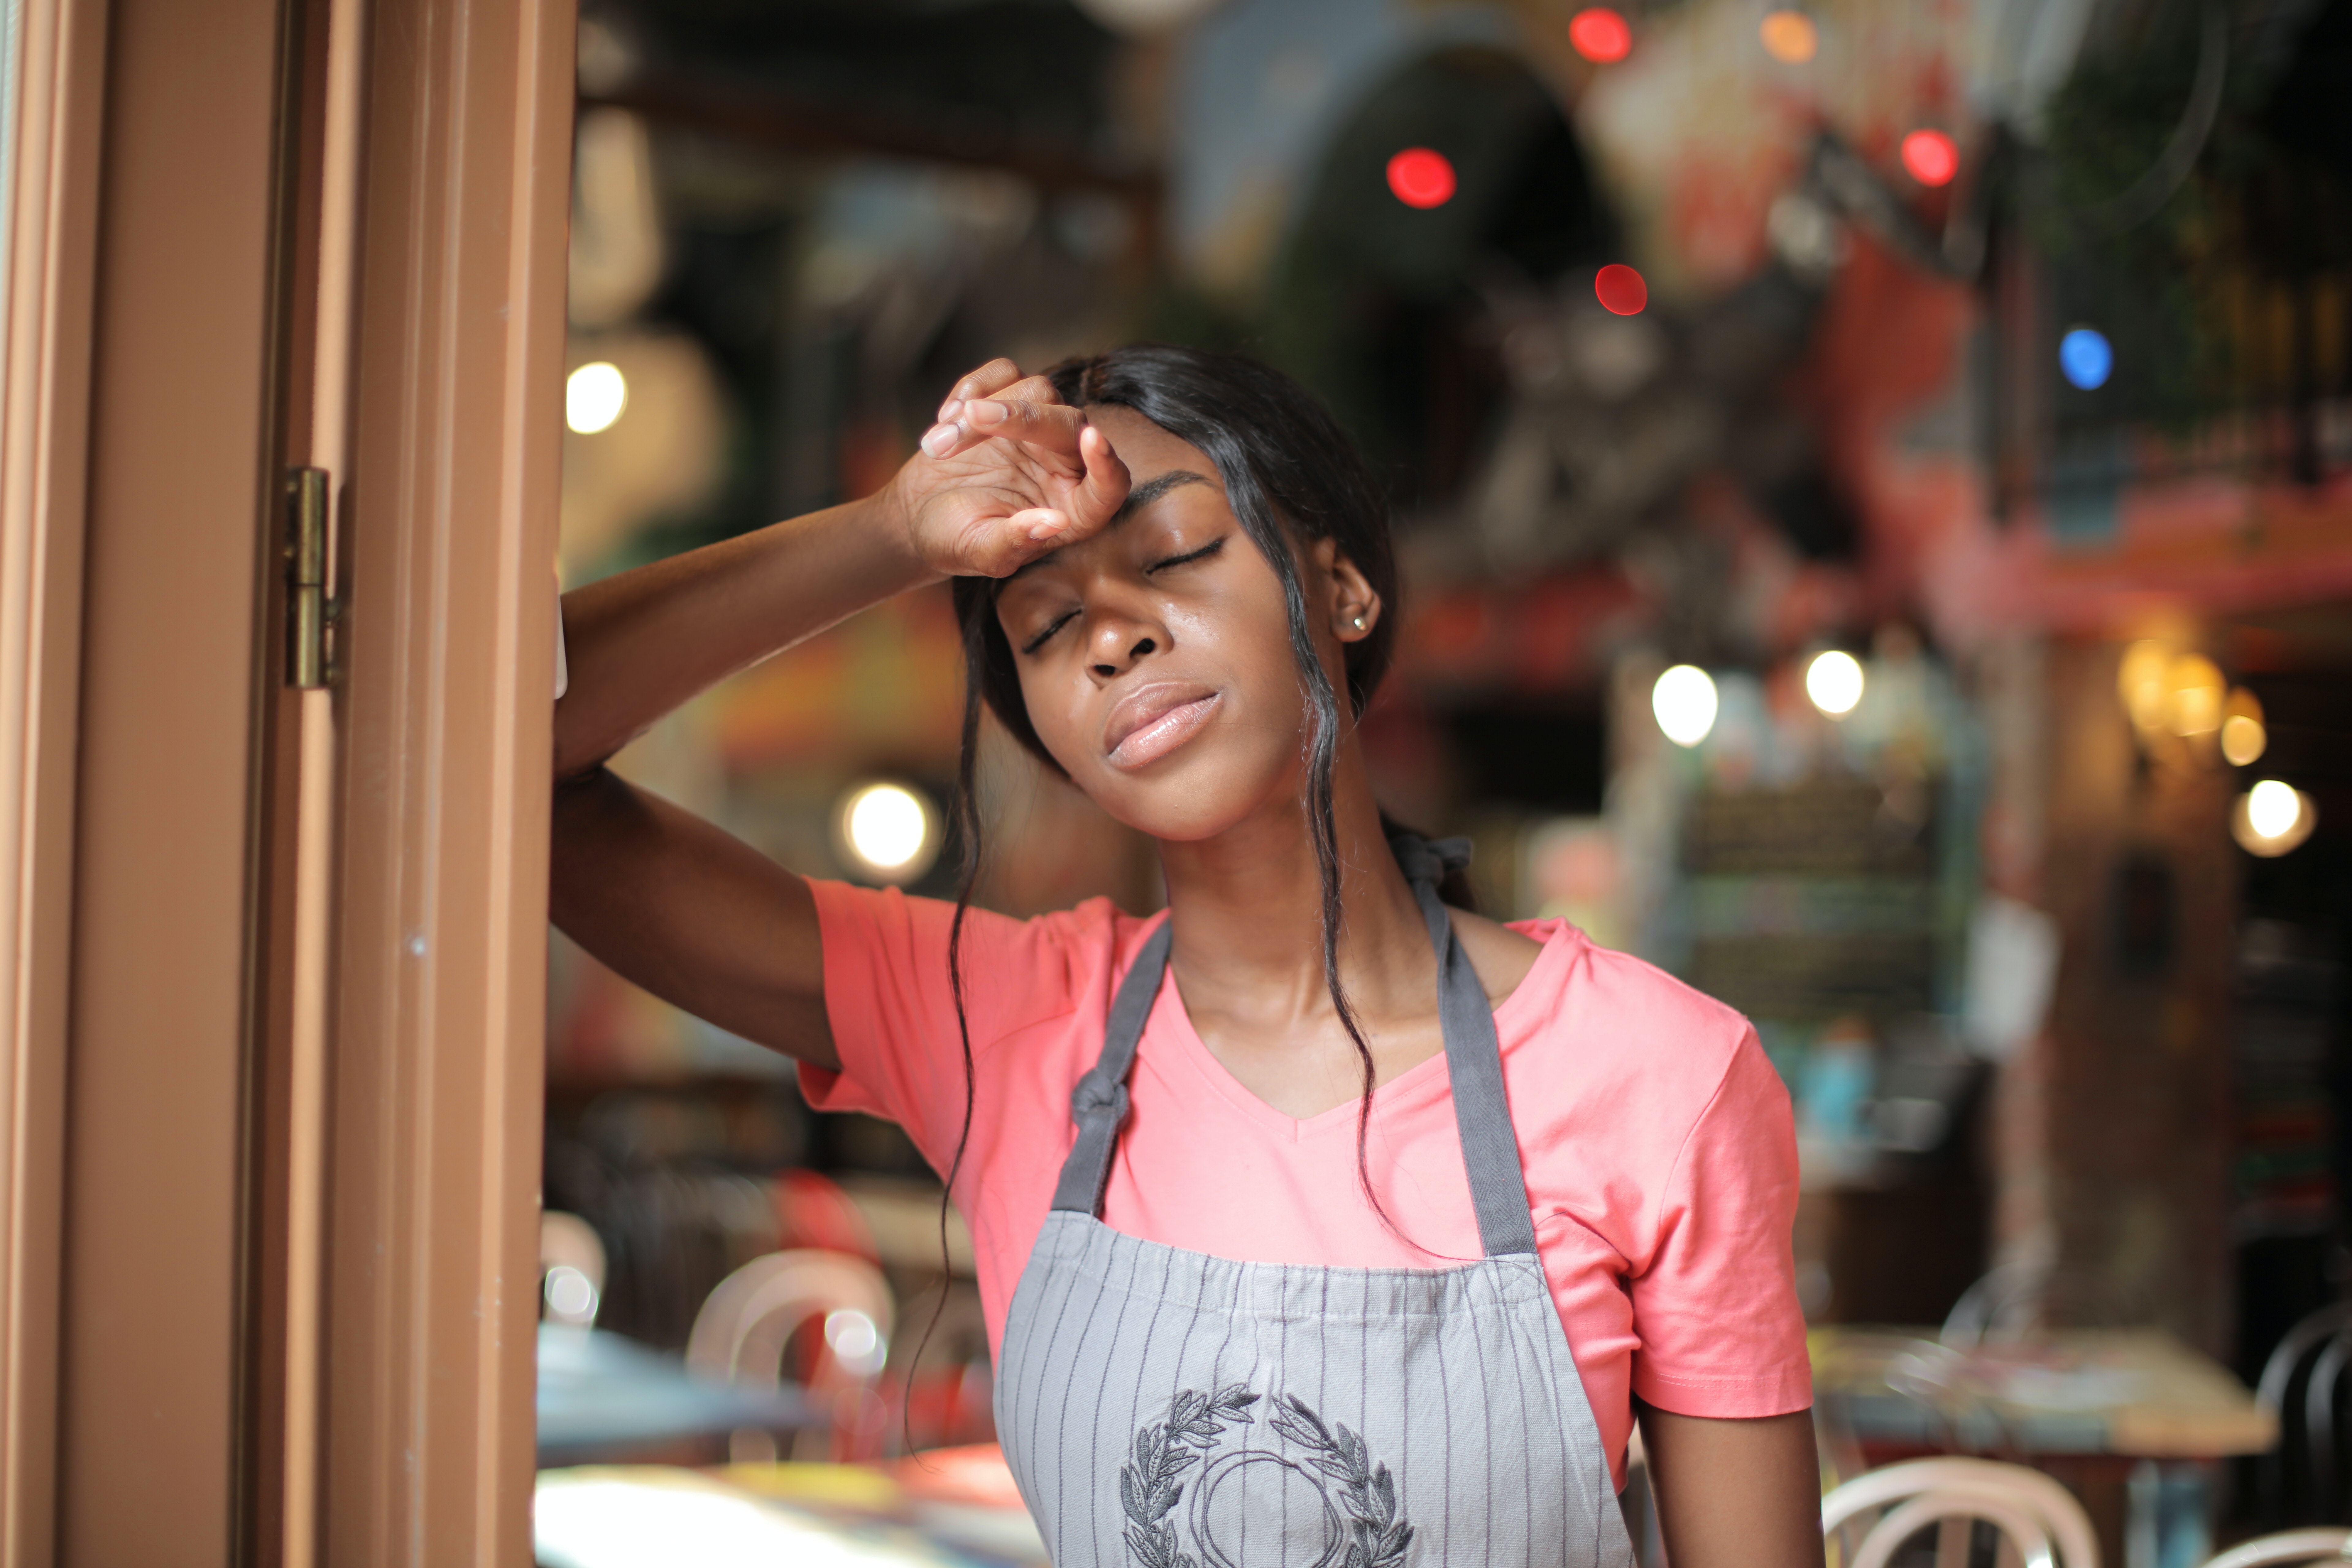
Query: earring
1358,623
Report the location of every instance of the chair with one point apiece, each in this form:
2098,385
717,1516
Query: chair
2287,1546
571,1269
2032,1511
2300,1384
741,1336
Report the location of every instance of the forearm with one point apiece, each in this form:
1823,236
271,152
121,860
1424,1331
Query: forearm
641,643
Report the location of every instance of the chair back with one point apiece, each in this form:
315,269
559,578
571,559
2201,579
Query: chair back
2040,1518
2288,1546
2302,1383
571,1269
741,1333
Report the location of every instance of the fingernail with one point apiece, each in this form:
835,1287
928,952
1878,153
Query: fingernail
1044,531
940,440
950,409
983,413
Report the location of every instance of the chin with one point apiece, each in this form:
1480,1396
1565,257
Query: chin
1187,798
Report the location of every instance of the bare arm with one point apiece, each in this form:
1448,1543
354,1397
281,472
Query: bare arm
689,911
1735,1494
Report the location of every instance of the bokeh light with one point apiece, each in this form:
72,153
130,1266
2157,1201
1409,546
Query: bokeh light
1621,289
1834,680
887,830
1421,177
2272,819
1930,157
1601,35
2086,358
2194,704
2243,736
1683,701
593,396
1790,36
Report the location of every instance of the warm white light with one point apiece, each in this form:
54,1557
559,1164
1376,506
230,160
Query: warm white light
888,830
1683,701
2243,739
2196,700
2272,819
2272,809
570,1295
1834,681
855,1343
593,396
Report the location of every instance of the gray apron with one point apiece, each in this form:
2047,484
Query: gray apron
1166,1409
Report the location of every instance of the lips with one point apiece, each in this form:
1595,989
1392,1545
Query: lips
1153,721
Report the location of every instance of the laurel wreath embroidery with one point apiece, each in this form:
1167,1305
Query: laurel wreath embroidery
1377,1537
1150,1483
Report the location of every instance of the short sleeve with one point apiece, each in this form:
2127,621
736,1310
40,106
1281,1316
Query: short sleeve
1715,1313
893,1011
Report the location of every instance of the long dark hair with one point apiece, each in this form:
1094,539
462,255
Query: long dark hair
1291,473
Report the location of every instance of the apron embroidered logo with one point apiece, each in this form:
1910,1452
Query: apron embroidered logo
1361,1526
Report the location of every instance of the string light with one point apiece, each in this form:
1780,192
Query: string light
1601,35
2243,737
2085,358
1620,291
1930,157
593,396
1421,177
2272,819
1835,681
1790,36
1683,701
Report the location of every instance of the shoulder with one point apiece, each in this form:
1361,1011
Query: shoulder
1656,1050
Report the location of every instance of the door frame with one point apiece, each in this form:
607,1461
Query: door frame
271,969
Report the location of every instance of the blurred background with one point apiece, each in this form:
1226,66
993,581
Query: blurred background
1875,482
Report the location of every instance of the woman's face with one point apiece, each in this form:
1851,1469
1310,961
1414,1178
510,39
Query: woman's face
1155,656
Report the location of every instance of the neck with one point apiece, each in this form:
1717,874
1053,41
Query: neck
1246,912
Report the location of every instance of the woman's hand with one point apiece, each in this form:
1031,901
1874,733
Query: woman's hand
1009,473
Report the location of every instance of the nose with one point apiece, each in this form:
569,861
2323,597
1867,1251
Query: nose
1118,645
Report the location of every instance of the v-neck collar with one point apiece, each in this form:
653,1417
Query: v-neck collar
1419,1084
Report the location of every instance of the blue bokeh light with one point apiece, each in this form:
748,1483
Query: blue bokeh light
2086,358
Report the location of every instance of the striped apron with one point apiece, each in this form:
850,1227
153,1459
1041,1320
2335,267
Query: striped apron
1165,1409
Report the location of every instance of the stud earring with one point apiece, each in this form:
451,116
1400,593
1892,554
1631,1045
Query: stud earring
1358,623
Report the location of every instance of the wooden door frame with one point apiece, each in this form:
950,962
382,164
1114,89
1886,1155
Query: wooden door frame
173,1200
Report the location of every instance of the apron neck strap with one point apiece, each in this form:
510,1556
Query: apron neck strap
1474,1066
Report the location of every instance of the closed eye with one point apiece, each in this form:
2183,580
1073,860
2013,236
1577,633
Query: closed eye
1188,557
1064,619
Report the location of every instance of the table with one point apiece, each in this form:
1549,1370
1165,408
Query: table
951,1509
600,1393
2138,1397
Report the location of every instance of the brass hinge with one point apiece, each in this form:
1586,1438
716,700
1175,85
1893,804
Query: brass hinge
309,613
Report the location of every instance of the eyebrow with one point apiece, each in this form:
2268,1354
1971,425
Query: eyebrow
1141,496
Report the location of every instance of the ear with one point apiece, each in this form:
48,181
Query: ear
1353,608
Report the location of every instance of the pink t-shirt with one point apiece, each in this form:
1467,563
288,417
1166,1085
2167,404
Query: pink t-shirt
1660,1158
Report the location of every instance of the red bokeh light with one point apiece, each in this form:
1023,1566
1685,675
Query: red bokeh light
1601,35
1621,289
1930,157
1421,177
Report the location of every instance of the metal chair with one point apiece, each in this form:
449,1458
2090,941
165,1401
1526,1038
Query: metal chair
2044,1523
2288,1546
741,1336
2300,1384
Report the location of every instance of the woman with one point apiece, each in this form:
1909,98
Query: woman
1363,1240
